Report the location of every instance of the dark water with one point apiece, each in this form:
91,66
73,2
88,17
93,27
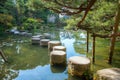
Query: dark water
31,62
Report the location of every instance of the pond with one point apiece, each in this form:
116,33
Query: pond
31,62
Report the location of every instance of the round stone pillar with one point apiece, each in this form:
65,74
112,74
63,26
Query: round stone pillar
58,57
78,65
51,44
44,42
59,48
108,74
35,40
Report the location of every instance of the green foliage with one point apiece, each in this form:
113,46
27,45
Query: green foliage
52,4
102,15
31,23
37,4
100,19
25,14
71,22
5,22
31,20
6,19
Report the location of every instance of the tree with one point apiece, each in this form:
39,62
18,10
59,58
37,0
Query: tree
114,32
31,24
76,7
80,8
19,11
99,20
6,18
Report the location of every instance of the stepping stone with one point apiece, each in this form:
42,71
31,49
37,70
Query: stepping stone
29,34
35,40
58,57
47,35
108,74
22,33
44,42
38,36
41,36
78,65
51,44
59,48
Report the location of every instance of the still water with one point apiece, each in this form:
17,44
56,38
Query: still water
31,62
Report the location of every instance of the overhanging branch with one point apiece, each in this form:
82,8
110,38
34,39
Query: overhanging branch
63,5
91,3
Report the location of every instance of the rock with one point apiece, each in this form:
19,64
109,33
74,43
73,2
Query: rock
22,33
44,42
29,34
37,33
16,32
35,40
36,36
108,74
58,57
51,44
59,48
13,30
78,65
42,36
47,35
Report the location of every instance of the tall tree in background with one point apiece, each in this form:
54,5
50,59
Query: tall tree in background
5,17
114,33
15,13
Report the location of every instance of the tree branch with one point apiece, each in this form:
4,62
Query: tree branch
63,5
100,35
91,3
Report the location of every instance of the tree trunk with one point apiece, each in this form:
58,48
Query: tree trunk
93,50
87,41
3,56
114,32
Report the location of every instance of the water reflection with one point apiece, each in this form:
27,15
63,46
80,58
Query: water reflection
66,35
18,48
34,60
9,73
74,77
41,73
68,40
58,69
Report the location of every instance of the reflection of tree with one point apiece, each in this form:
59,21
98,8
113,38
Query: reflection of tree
18,49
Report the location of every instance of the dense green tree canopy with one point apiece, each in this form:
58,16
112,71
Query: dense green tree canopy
100,14
99,19
6,18
16,13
